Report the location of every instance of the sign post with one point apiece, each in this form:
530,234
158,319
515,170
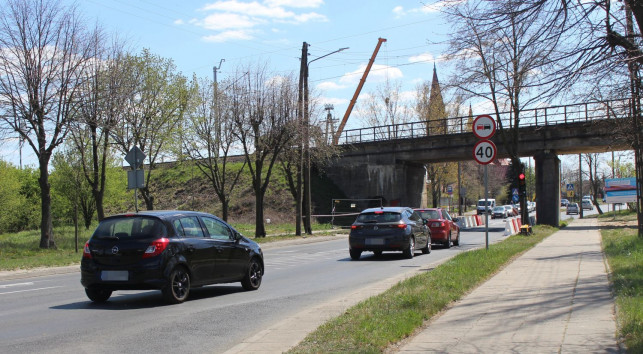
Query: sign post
484,152
135,177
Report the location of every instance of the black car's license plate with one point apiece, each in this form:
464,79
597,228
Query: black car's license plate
114,275
374,241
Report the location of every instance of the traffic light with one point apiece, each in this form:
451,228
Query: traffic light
522,183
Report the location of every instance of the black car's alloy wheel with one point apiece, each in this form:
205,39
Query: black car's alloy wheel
178,286
409,252
252,280
98,295
427,248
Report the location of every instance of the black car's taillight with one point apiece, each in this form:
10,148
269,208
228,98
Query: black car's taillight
86,252
156,247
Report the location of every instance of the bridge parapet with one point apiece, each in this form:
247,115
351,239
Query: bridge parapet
536,117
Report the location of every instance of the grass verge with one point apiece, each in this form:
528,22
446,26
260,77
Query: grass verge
20,250
624,251
374,324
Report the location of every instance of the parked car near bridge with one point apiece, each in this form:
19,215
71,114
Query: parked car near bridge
443,226
572,208
389,229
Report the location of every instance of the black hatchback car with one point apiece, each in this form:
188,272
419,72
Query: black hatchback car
172,251
389,229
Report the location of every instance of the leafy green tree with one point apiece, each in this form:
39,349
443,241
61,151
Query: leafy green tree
155,103
19,204
68,181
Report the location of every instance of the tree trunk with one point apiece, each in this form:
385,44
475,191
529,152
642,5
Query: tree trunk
46,225
148,198
260,230
224,208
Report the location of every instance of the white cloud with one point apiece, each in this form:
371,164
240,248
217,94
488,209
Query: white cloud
424,57
295,3
179,22
329,85
399,11
228,35
334,101
249,8
231,15
428,8
378,73
226,21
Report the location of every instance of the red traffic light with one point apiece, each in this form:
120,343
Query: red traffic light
521,176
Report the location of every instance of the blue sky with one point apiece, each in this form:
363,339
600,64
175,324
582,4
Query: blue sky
197,34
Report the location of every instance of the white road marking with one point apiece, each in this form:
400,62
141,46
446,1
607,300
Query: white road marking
16,284
22,291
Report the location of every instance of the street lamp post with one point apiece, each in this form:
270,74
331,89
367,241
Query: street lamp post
306,150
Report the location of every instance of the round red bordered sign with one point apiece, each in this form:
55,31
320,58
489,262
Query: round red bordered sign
484,152
484,127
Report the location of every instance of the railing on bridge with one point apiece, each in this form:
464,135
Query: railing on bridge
535,117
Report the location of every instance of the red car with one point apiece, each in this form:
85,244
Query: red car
443,228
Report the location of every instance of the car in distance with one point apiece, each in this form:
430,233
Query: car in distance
499,212
444,228
587,204
172,251
389,229
564,202
572,208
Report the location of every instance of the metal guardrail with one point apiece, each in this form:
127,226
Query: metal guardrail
535,117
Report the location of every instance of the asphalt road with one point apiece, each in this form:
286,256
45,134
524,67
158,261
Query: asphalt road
52,314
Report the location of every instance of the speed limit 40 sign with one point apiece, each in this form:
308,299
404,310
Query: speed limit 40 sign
484,152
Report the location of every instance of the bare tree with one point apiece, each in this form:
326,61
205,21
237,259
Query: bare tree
100,106
43,58
264,126
210,126
386,106
595,181
155,103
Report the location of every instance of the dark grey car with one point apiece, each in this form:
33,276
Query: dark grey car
389,229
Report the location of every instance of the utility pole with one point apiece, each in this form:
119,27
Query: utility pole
215,98
300,106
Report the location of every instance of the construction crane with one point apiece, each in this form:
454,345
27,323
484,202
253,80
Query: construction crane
359,88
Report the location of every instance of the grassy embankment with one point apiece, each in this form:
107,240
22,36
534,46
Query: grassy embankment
624,251
20,250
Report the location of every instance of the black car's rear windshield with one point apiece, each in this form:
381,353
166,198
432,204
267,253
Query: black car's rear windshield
379,217
131,227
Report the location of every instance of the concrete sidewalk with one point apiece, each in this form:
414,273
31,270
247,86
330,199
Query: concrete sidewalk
553,299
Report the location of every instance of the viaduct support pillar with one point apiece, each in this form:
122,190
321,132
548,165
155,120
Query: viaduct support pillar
547,188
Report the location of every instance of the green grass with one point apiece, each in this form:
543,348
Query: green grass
21,250
624,251
372,325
